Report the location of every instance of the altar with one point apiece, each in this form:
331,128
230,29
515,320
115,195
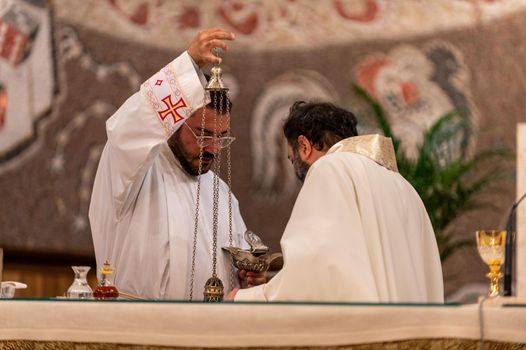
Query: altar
89,324
65,324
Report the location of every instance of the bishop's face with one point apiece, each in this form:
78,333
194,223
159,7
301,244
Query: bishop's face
185,145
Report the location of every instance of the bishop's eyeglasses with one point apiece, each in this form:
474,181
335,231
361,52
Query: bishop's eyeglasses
205,141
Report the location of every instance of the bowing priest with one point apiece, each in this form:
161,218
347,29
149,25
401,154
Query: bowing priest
142,209
358,232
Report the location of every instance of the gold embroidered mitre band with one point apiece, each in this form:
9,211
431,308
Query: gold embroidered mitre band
376,147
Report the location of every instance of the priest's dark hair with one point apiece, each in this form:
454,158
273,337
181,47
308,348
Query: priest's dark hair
219,102
322,123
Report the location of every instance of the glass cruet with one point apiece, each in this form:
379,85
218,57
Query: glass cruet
80,288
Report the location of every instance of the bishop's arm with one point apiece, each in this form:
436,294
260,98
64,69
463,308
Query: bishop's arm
143,124
137,131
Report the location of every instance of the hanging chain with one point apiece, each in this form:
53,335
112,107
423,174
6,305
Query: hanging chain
229,181
214,286
198,195
217,168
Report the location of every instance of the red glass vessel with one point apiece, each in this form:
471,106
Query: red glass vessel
105,289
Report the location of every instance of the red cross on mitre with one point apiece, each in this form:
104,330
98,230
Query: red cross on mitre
172,109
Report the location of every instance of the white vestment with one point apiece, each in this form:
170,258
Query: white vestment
358,232
143,203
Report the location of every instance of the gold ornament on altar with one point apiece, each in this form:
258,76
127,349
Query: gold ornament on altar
256,258
491,247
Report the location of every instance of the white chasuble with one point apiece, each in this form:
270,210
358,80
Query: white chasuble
143,203
358,232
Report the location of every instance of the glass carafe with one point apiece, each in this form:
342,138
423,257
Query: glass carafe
80,288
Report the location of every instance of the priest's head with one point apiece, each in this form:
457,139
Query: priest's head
207,128
312,128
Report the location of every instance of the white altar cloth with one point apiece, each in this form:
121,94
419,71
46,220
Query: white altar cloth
251,325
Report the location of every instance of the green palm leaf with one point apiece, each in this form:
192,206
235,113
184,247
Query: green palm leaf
448,182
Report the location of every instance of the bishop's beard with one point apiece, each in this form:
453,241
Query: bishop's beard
185,158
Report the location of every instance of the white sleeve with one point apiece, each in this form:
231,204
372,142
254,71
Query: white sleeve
146,121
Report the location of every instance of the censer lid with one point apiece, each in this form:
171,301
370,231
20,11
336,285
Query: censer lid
216,81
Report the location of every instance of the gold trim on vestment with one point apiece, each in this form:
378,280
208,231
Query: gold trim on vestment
376,147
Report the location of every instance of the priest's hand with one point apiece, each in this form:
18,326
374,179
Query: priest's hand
232,295
250,279
206,40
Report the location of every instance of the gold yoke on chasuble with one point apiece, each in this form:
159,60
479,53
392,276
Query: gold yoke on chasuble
375,147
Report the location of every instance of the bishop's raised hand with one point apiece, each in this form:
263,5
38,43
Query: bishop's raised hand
201,48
